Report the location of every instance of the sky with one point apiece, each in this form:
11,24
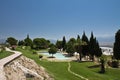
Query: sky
53,19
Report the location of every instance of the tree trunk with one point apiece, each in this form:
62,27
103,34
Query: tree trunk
80,57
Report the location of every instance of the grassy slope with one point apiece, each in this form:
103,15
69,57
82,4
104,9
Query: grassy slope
59,69
5,54
92,73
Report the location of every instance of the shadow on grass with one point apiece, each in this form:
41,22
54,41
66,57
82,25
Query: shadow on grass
80,61
94,66
51,57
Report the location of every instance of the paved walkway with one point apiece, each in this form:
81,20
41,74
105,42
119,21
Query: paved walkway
6,60
69,66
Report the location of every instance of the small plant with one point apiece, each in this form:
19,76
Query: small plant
115,64
40,56
102,67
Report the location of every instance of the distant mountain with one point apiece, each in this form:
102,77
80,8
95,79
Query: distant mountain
106,41
2,41
53,41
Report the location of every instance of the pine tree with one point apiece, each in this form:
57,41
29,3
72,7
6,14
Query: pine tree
117,46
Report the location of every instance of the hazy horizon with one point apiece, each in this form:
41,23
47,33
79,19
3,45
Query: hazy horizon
53,19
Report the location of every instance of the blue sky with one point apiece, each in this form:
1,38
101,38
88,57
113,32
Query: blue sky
53,19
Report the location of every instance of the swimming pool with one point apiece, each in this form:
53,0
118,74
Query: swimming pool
57,55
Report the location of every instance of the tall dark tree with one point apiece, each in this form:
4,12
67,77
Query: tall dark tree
94,48
78,38
64,43
12,41
85,38
85,48
92,44
98,51
117,46
28,41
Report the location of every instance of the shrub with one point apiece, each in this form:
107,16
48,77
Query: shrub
40,56
102,61
115,64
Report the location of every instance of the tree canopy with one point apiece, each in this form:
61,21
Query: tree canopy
11,41
59,44
70,46
52,50
21,43
40,43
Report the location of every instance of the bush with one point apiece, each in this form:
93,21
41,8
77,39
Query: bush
40,56
102,67
115,64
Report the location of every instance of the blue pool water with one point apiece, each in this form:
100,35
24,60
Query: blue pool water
57,55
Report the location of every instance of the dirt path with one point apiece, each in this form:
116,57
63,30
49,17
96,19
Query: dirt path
6,60
69,66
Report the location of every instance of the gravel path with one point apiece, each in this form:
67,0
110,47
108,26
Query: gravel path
6,60
69,66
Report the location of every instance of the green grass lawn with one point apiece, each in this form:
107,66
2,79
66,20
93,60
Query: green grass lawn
93,73
4,54
60,72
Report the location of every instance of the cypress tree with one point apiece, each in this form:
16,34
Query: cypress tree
78,38
116,48
94,48
98,51
64,43
85,48
28,41
92,44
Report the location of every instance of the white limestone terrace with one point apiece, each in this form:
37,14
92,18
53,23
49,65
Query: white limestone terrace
6,60
107,50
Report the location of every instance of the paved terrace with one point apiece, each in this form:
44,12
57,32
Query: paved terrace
6,60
